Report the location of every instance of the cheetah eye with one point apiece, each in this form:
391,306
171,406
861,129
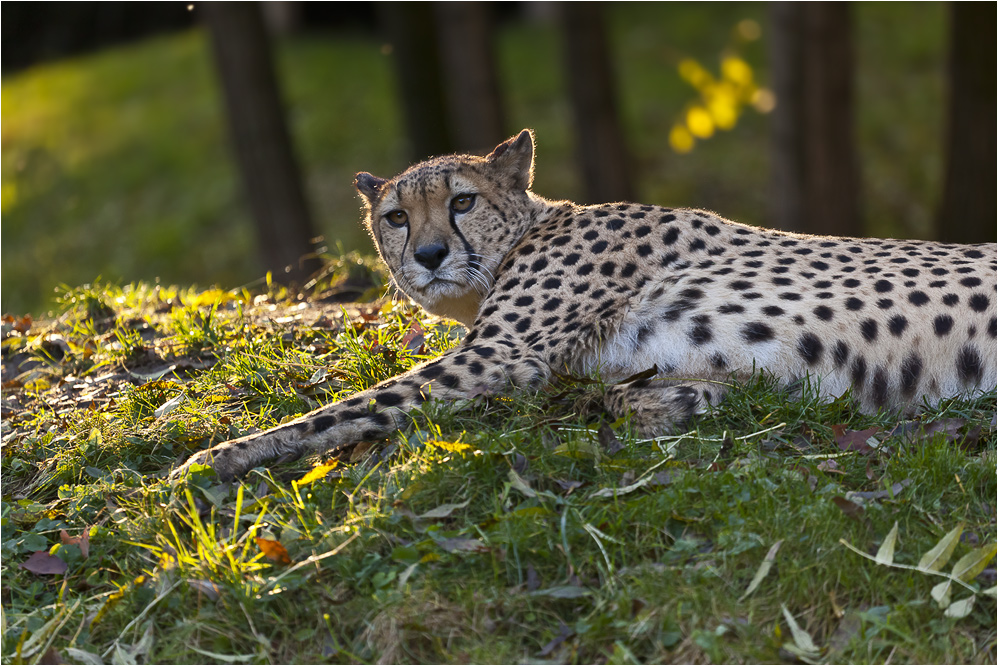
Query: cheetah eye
397,218
462,203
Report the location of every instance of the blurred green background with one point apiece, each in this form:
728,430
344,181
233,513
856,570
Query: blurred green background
117,164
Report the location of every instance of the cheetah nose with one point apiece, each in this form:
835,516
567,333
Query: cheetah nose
431,256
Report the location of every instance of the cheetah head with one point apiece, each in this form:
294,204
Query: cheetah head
443,226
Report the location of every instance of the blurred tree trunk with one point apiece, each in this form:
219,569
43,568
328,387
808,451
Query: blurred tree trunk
411,32
968,211
260,136
605,161
815,170
464,31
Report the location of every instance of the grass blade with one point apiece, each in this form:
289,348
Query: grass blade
763,570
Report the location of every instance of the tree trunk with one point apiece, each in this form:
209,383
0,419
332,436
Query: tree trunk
260,136
815,172
603,153
968,211
469,72
410,30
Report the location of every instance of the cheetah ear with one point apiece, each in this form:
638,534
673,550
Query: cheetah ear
368,185
514,159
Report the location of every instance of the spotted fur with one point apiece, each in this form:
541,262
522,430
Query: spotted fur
616,289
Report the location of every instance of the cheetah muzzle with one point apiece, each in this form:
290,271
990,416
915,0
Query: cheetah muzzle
614,289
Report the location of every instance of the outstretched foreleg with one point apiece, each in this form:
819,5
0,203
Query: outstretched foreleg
461,373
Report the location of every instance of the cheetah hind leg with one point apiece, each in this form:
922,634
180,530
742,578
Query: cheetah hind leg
660,407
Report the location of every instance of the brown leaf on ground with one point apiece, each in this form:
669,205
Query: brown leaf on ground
829,467
851,509
854,440
273,550
953,430
414,338
83,541
44,564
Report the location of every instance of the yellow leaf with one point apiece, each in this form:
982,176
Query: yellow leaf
273,550
453,447
723,111
736,70
694,73
317,472
680,139
699,122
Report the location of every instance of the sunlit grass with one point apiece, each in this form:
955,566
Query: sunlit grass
503,530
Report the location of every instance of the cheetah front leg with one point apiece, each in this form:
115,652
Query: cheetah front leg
661,406
463,372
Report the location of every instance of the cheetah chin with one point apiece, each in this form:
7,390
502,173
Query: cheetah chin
616,289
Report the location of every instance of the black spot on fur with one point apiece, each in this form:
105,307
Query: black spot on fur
757,332
869,330
858,371
854,304
840,353
670,236
773,311
942,325
450,381
979,302
731,308
389,398
823,312
700,333
879,387
551,283
911,371
969,366
897,325
810,348
918,298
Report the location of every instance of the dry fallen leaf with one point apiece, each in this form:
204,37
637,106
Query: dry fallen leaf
83,541
273,550
851,509
44,564
854,440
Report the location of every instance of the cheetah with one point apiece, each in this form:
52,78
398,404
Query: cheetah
616,289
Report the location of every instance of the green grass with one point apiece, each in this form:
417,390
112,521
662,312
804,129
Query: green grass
117,163
506,531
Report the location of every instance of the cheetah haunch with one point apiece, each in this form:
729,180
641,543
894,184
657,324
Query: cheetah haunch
550,286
